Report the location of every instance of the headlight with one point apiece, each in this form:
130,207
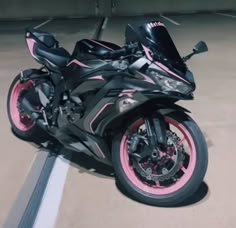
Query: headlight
169,84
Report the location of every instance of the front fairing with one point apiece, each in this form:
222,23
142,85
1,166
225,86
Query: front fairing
164,51
159,47
155,72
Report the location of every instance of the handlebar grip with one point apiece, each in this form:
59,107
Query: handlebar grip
121,52
117,53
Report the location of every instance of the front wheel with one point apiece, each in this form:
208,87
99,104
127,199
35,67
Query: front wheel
178,171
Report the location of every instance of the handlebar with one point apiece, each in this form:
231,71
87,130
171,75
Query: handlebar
126,50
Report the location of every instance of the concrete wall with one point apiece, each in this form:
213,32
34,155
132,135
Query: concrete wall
139,7
47,8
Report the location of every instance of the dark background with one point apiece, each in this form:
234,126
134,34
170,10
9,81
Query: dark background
59,8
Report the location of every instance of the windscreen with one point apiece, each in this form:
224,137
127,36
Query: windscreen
155,36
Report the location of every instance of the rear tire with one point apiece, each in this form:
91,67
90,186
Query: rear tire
23,128
146,194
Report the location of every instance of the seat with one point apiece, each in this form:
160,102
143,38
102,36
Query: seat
48,48
58,56
44,37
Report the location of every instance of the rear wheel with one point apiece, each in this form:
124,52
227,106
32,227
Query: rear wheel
175,175
22,126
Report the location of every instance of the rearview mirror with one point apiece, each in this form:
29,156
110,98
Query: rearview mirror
200,47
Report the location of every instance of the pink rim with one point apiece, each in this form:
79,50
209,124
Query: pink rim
159,190
21,122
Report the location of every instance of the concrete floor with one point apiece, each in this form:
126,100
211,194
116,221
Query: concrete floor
17,156
91,198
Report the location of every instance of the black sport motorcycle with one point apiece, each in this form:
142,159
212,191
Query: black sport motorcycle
117,104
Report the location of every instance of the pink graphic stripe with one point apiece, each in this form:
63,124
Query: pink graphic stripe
95,117
128,92
31,43
78,63
147,53
169,71
100,151
102,45
147,79
98,77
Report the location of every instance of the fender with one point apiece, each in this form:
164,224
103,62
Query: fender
165,109
31,74
37,74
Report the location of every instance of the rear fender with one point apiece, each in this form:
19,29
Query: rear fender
32,74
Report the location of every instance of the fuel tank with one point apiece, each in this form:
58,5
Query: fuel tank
88,49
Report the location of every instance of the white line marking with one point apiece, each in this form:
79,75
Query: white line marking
75,17
42,24
226,15
170,20
49,207
104,25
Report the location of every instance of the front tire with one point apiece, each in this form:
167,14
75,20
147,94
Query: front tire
22,126
159,195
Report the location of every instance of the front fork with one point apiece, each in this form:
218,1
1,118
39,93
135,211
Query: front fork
156,131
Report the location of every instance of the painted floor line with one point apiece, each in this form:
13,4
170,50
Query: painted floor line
226,15
104,25
22,201
75,17
170,20
48,211
43,23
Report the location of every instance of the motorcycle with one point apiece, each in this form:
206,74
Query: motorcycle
118,105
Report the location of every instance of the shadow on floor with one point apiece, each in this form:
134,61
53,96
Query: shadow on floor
209,141
86,164
199,196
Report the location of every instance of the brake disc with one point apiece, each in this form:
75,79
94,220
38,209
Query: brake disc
164,173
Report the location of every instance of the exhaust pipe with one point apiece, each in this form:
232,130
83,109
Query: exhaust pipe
32,113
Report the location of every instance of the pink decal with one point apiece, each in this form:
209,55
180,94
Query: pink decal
100,151
169,71
127,92
95,117
78,63
31,43
147,79
99,77
155,24
147,52
159,24
157,189
102,45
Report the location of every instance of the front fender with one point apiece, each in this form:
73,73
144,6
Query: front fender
165,109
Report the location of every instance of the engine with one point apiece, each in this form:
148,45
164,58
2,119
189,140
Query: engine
70,110
50,110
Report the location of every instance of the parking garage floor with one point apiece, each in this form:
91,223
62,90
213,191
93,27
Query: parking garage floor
90,197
